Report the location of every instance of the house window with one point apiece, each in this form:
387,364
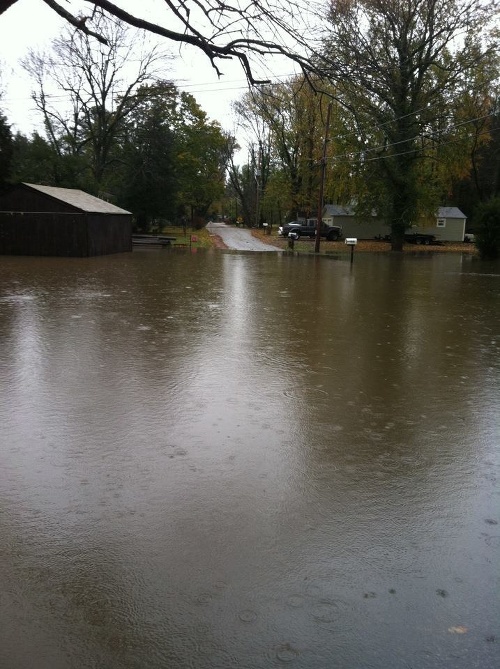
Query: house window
441,222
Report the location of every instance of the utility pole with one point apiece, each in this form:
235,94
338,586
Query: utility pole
322,181
257,197
258,172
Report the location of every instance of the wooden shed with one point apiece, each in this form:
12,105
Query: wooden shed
48,221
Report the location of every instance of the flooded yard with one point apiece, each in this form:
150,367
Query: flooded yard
243,460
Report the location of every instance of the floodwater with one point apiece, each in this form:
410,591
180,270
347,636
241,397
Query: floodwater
247,461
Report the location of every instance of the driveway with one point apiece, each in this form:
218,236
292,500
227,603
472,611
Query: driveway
239,239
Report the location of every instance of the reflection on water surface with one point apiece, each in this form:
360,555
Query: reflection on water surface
245,460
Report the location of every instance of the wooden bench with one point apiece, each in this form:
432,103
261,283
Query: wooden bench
155,240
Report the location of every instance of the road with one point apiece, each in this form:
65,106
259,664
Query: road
239,239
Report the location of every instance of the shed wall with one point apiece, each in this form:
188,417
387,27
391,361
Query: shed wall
68,235
453,231
107,234
43,234
352,227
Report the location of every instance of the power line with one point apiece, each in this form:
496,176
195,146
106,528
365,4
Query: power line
351,155
193,88
383,147
416,150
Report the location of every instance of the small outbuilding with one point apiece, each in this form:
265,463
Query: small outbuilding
448,225
41,220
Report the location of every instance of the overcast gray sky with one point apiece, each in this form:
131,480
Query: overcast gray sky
31,23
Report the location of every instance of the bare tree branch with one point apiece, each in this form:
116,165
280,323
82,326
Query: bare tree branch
78,22
221,29
5,4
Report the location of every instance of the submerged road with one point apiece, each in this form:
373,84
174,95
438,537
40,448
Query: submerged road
229,460
239,239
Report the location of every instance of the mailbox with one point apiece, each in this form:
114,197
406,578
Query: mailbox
351,241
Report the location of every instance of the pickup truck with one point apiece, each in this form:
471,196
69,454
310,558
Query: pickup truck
308,229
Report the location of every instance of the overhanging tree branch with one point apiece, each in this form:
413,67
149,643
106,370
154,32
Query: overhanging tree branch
221,29
78,21
235,48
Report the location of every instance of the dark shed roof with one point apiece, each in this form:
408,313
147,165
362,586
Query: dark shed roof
78,199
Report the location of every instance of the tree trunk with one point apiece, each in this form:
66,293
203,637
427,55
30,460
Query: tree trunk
403,205
397,237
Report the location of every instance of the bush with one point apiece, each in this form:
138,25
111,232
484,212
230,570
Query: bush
198,222
487,225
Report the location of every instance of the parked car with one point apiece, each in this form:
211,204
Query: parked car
308,229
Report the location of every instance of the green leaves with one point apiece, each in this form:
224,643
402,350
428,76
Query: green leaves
173,156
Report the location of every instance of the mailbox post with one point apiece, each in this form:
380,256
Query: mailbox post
351,241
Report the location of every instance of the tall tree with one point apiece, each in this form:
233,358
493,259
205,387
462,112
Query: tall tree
201,156
6,150
243,184
99,86
147,182
289,118
35,161
173,156
392,62
483,181
464,127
